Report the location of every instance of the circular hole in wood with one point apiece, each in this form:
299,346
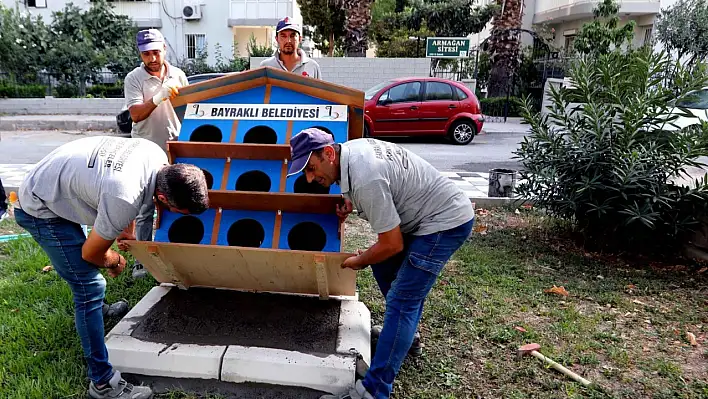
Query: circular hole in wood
302,186
307,236
324,129
261,135
254,180
207,133
246,233
209,179
186,230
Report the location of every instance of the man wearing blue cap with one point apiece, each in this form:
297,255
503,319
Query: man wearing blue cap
289,57
421,218
148,89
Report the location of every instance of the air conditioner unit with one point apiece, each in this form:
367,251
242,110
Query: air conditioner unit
191,11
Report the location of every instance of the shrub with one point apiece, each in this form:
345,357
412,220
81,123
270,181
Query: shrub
604,157
66,90
495,106
9,90
107,91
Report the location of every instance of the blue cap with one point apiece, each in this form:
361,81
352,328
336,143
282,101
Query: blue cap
150,39
302,145
287,23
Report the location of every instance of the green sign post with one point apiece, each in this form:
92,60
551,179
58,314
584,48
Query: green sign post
447,47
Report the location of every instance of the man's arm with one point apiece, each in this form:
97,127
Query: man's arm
389,244
142,111
97,250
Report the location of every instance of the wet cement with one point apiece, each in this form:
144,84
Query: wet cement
209,388
210,316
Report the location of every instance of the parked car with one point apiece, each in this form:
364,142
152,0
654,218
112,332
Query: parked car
422,106
696,103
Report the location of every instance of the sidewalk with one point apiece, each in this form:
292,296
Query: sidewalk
58,122
502,127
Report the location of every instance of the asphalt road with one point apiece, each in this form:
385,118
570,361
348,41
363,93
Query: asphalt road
486,151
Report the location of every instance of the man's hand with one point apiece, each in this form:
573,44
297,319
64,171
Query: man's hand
124,236
168,91
353,262
116,270
345,209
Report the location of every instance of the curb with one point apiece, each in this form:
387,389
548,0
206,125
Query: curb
496,202
86,124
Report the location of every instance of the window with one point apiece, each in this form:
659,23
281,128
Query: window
647,35
195,44
460,94
402,93
36,3
438,91
569,40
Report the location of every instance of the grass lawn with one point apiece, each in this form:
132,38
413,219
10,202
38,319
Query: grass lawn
624,325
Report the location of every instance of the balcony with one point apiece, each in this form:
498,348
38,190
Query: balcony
145,14
259,12
556,11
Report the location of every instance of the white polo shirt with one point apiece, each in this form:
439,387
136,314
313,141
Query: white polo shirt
306,67
163,124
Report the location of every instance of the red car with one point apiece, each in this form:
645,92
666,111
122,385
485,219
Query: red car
422,106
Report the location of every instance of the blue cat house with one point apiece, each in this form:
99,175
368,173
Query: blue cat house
237,129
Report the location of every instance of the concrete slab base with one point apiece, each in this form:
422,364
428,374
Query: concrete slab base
333,373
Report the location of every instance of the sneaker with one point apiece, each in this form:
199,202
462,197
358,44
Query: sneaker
358,392
139,270
416,349
118,388
118,309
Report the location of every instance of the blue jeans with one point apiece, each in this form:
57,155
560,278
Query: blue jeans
62,241
405,280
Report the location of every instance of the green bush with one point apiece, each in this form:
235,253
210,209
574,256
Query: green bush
66,90
107,91
604,157
9,90
495,106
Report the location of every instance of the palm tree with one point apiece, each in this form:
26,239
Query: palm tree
357,21
503,46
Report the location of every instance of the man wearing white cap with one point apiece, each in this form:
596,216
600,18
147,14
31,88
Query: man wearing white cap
148,89
289,57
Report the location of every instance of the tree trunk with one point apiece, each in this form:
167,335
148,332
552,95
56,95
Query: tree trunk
331,44
503,47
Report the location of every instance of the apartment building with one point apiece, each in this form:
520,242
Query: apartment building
189,25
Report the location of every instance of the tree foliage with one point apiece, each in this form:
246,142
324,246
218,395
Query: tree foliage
327,20
604,157
604,34
683,29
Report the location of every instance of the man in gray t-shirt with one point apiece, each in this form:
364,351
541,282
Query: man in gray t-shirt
289,57
103,182
421,218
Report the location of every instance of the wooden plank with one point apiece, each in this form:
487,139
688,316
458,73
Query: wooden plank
188,149
356,99
193,96
234,129
356,124
285,202
250,269
164,270
321,273
266,97
276,229
284,174
215,229
289,133
225,177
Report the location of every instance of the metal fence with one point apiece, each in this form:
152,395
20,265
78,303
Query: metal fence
102,84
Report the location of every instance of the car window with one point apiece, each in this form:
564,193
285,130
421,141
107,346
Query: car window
369,94
460,94
697,100
402,93
438,91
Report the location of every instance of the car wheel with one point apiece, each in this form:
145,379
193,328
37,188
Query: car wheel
366,130
462,132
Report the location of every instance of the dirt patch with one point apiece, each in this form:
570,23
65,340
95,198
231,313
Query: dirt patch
220,317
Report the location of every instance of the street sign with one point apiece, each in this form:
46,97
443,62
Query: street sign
447,47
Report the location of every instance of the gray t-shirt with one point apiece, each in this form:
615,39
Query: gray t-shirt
95,181
163,124
306,67
391,186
